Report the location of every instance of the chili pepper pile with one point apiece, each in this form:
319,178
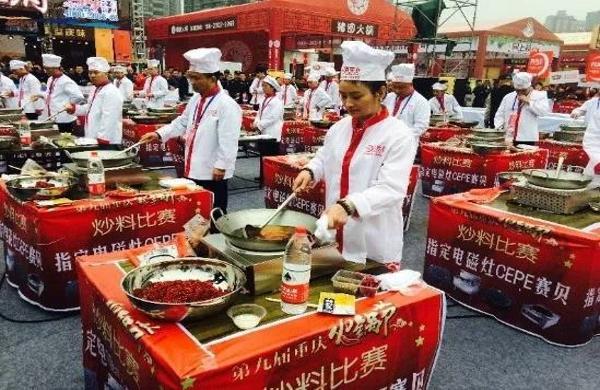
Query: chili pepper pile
178,291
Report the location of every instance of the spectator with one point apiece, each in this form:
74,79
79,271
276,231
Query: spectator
539,86
503,88
80,77
481,93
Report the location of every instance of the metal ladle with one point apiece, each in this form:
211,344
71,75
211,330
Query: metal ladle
253,231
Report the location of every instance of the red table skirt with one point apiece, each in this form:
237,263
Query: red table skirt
575,156
153,154
440,134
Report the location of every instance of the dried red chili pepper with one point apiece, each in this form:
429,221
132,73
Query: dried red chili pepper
178,291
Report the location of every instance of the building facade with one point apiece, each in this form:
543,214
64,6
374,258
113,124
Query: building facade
564,23
197,5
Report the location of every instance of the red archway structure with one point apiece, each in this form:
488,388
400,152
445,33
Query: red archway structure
261,32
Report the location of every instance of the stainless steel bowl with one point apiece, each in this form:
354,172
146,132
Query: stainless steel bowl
20,187
204,269
487,148
488,133
10,111
110,158
35,125
548,178
9,118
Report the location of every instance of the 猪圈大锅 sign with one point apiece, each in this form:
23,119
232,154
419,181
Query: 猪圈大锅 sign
229,23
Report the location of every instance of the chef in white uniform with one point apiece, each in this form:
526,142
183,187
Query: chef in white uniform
519,111
210,124
269,119
365,162
29,90
104,109
156,87
331,86
591,138
8,92
442,103
123,84
61,91
288,91
405,103
315,99
258,95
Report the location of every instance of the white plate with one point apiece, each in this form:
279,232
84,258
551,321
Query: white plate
175,183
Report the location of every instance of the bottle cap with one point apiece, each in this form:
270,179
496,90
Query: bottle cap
301,230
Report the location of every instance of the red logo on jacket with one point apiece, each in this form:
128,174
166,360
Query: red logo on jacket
375,150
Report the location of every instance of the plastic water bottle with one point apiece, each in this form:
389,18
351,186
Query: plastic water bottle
295,278
95,175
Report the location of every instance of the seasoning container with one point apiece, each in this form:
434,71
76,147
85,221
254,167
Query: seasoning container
246,316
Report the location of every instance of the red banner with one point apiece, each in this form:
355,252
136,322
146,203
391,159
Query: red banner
540,63
592,68
533,275
446,170
248,120
391,343
313,139
41,244
441,134
279,173
574,154
153,154
292,136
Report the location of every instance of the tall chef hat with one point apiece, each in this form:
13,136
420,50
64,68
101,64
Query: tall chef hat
17,64
439,87
314,76
363,63
521,80
98,63
272,82
120,68
51,60
390,77
403,73
288,76
204,60
153,63
330,72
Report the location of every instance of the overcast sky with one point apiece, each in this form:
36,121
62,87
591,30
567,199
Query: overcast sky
493,12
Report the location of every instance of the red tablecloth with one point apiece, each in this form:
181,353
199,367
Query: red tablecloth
248,120
279,173
292,136
565,106
447,170
392,342
153,154
41,244
575,156
537,276
441,134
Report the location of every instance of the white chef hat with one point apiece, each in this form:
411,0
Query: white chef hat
390,77
204,60
403,73
439,87
288,76
363,63
272,82
521,80
153,63
51,60
314,76
98,63
119,68
330,72
17,64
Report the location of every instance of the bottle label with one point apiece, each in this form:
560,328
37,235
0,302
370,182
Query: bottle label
295,282
96,185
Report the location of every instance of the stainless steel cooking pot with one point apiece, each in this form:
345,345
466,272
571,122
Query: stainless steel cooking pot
232,226
549,178
110,158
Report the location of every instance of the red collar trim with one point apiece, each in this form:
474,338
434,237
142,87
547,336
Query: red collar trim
381,115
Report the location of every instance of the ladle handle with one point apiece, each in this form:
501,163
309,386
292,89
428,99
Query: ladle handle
281,207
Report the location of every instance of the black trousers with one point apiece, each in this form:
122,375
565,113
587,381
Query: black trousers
219,188
66,127
267,148
32,116
531,143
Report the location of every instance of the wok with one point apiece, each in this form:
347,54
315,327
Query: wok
35,125
163,110
26,188
110,158
232,226
322,124
488,133
150,120
573,128
488,148
474,139
548,178
7,118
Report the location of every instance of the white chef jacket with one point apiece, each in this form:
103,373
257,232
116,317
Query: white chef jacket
158,87
215,143
104,114
591,138
125,86
59,93
29,86
256,90
451,106
333,90
414,111
527,130
288,94
378,180
7,85
315,101
269,118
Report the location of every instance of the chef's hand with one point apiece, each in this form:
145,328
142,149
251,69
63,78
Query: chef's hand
524,99
218,174
575,115
149,137
337,216
70,108
302,182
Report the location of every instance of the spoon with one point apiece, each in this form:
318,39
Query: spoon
252,231
51,117
124,151
561,160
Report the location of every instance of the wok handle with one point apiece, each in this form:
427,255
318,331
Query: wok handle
212,215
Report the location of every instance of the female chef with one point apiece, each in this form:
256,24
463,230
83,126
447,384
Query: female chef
365,162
